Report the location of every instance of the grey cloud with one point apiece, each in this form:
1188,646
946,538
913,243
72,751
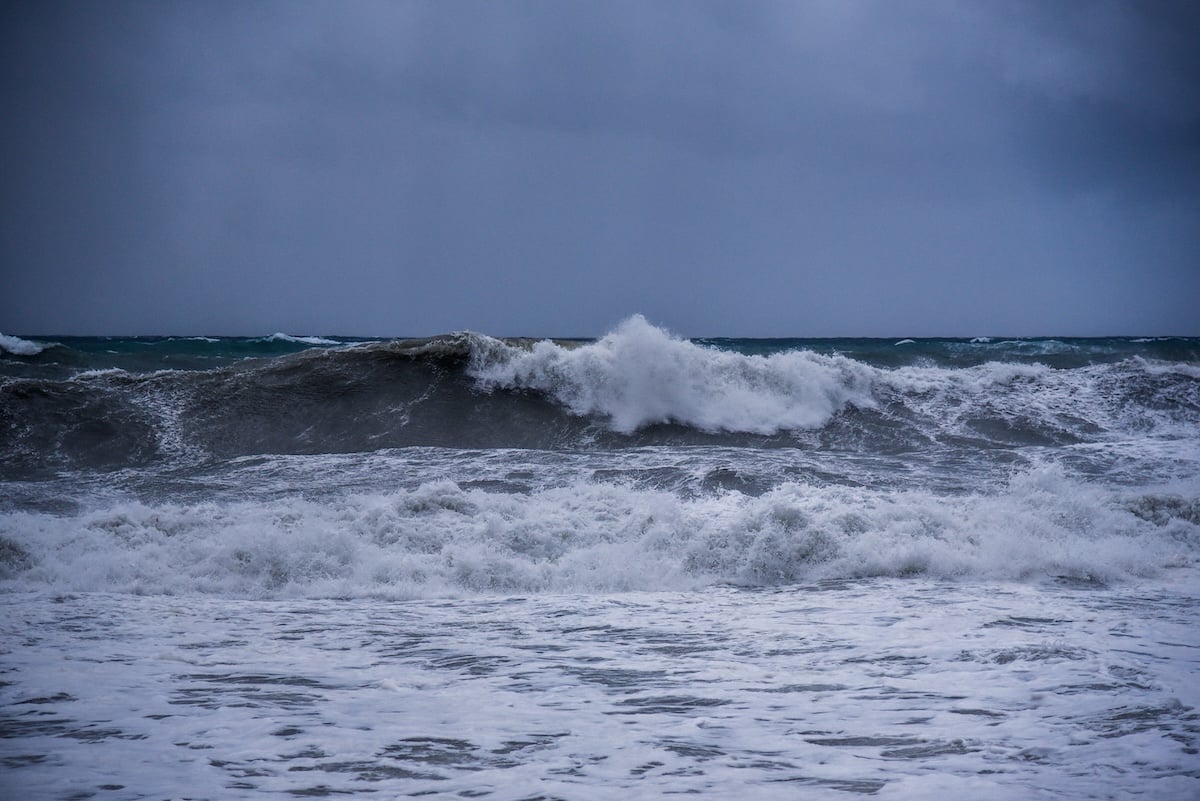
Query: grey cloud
548,168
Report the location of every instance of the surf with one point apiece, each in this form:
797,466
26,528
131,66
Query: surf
446,538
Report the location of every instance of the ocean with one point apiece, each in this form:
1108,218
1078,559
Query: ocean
629,567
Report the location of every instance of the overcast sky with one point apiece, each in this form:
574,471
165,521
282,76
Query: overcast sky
825,168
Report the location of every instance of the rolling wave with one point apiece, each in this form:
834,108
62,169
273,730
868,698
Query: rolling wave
637,386
20,347
638,376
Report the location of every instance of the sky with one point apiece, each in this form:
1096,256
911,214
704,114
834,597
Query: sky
526,168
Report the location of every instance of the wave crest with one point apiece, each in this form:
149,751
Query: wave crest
20,347
296,340
639,375
637,386
445,539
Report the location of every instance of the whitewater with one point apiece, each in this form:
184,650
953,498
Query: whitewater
466,566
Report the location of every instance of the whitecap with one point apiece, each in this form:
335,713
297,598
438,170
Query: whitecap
445,539
280,337
640,375
20,347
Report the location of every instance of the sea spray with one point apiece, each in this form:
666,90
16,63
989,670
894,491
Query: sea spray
639,375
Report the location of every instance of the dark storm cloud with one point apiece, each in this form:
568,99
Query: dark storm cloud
1116,99
548,168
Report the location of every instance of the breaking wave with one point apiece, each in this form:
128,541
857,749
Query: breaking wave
639,376
637,386
278,337
441,538
19,347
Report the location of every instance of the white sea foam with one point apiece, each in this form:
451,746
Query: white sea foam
20,347
1015,400
103,372
1168,368
640,375
279,337
442,539
889,688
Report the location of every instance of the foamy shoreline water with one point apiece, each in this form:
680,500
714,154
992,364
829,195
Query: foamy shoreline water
890,688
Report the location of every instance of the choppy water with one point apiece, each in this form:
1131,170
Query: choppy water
469,567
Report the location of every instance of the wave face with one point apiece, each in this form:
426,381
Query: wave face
314,466
637,386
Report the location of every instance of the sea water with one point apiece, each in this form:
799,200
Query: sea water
629,567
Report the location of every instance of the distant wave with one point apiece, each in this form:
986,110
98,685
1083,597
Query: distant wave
20,347
278,337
